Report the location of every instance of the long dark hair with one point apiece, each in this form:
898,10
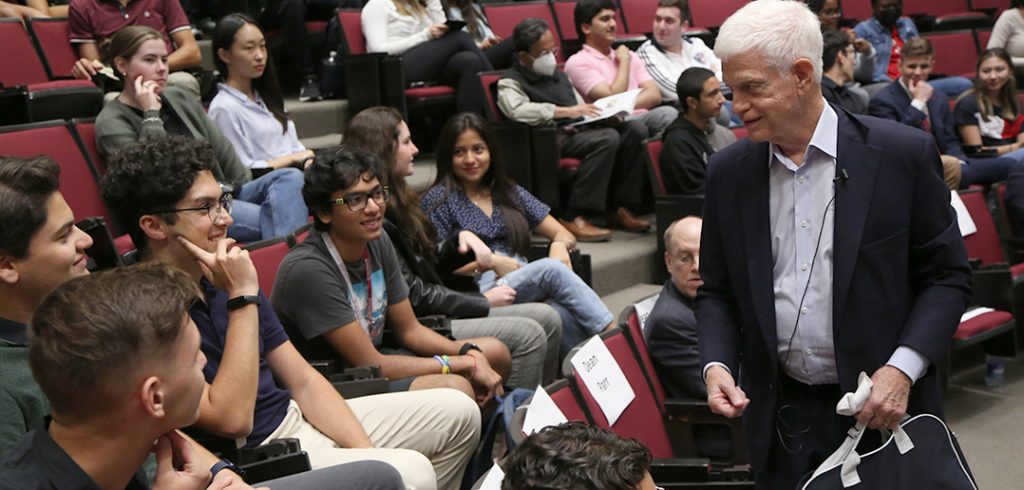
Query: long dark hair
266,85
1007,98
502,188
469,15
375,130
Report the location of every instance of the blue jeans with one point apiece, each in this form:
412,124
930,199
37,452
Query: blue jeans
951,86
987,170
582,311
269,206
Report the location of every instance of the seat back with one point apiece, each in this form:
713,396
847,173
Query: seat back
351,22
489,85
78,182
504,17
712,13
996,5
937,8
629,322
86,131
653,146
267,255
51,38
955,52
857,9
639,15
565,399
983,36
19,57
983,244
642,418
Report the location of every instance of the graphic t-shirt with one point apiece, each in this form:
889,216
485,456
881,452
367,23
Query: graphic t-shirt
312,298
995,131
893,72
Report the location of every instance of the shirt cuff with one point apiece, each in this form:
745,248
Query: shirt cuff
910,361
704,373
259,164
917,104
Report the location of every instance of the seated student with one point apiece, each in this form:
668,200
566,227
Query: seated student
685,148
343,284
1008,33
471,192
837,73
268,206
258,386
671,330
534,92
989,115
531,331
829,13
888,32
92,23
248,107
40,248
417,31
498,51
599,71
578,456
912,101
117,350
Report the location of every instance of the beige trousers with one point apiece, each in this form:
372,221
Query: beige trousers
427,435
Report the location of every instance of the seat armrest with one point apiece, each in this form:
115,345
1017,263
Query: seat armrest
680,470
362,80
275,459
993,287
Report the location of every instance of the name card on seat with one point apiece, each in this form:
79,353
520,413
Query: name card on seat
542,413
603,377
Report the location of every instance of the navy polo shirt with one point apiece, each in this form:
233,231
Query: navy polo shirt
39,463
212,319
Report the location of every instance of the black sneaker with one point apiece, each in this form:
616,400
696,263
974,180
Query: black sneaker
310,90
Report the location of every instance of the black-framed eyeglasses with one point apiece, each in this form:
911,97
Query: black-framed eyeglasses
214,209
357,201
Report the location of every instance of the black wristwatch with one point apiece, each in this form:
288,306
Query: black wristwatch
240,301
225,465
468,347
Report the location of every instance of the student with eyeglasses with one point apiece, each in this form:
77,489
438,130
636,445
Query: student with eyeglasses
342,285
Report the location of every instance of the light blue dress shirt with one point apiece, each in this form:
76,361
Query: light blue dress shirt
252,128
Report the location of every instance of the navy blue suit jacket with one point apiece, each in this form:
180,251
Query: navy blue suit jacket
672,341
893,103
900,272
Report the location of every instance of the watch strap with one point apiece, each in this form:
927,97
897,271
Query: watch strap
240,301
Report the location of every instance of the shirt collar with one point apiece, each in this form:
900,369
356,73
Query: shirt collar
592,50
13,332
238,94
824,139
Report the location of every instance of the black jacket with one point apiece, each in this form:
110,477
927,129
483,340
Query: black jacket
427,294
684,155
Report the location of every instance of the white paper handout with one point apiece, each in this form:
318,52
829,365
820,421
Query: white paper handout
619,105
643,310
963,218
542,413
599,372
975,313
493,479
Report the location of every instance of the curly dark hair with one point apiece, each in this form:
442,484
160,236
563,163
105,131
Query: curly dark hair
333,170
576,456
150,176
25,186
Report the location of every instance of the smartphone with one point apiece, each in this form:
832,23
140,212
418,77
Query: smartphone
454,25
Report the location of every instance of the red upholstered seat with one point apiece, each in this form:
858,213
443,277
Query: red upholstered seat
124,244
51,36
653,153
983,36
565,400
712,13
857,9
504,17
569,164
955,53
431,91
982,323
267,256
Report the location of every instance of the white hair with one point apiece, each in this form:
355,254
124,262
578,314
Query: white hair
782,31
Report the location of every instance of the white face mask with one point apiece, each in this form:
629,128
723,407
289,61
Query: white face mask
545,65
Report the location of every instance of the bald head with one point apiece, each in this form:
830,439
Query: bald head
682,254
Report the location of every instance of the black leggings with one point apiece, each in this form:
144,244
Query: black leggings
452,59
500,55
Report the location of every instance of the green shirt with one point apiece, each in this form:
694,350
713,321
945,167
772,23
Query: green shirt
22,403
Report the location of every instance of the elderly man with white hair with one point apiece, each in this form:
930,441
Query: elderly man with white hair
829,248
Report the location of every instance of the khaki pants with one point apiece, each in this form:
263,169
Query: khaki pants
428,435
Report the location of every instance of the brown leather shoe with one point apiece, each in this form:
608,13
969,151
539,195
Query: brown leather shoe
625,219
585,231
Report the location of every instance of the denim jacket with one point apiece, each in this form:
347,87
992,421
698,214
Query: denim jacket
879,37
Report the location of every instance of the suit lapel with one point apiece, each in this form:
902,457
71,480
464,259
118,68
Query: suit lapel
757,239
853,200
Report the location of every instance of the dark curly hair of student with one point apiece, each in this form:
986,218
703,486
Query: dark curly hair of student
336,169
148,177
267,85
25,186
576,456
375,130
502,188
